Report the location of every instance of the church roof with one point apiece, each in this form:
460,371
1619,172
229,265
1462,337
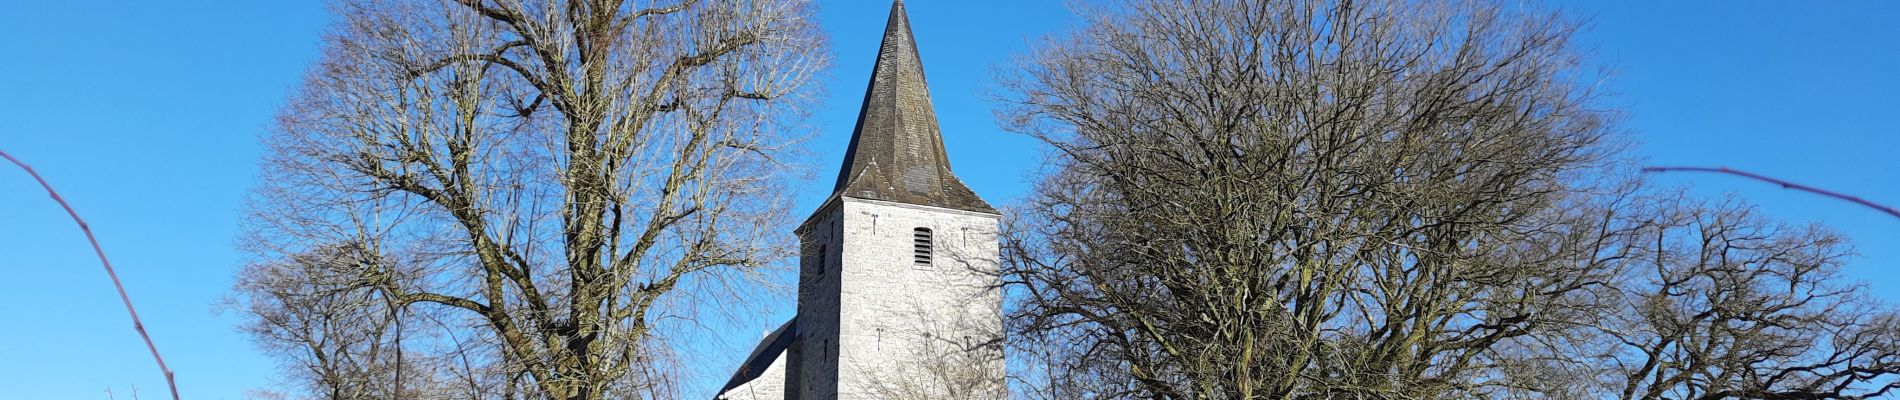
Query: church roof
762,356
897,150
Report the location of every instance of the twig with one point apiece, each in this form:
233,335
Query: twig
136,324
1784,185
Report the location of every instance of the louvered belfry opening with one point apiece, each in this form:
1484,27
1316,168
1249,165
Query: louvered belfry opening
923,248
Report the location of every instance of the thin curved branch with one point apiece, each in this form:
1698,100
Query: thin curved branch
1784,185
83,227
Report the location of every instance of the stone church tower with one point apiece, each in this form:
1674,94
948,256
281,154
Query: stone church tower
897,292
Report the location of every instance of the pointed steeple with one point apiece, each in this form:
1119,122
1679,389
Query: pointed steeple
897,150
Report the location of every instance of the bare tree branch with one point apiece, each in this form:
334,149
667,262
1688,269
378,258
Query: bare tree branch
1783,184
137,325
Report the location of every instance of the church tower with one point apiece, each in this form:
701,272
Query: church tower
897,281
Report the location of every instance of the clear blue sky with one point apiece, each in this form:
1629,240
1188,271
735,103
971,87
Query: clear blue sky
146,115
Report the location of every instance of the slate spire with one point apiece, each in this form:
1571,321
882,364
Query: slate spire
897,150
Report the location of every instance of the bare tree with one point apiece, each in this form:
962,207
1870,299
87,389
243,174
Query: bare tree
1308,199
319,311
1722,304
1403,199
530,185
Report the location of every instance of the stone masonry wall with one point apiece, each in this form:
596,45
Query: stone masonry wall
812,363
874,323
900,321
